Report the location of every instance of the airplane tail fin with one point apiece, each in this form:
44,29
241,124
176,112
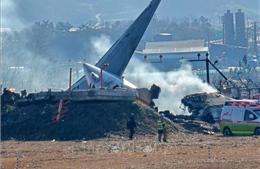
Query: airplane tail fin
119,55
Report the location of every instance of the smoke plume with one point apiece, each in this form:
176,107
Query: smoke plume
100,46
174,85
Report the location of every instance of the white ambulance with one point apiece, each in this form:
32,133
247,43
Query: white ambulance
240,117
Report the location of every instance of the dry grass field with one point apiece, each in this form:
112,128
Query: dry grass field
182,151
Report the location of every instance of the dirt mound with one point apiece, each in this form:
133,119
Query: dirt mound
82,121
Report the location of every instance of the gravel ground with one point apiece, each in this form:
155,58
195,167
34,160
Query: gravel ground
182,151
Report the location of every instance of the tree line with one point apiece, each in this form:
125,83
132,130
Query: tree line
36,56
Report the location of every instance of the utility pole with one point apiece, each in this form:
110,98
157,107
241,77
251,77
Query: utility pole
255,40
207,66
70,79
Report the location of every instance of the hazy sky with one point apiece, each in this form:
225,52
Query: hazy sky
17,14
21,13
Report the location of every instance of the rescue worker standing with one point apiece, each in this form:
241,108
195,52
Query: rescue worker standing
161,124
131,124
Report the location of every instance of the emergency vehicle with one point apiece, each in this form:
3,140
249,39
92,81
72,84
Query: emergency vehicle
256,96
240,117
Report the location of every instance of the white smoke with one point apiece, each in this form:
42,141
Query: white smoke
174,85
9,17
99,20
100,46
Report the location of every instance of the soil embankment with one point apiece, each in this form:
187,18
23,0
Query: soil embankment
82,121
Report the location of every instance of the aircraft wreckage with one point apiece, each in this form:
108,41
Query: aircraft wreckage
103,81
204,106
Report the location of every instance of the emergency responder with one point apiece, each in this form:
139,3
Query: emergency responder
162,128
23,93
131,124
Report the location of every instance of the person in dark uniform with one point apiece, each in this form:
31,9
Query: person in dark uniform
23,93
161,124
131,124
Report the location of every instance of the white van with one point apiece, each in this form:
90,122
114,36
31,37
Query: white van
240,117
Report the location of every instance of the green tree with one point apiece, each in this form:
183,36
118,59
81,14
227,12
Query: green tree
63,27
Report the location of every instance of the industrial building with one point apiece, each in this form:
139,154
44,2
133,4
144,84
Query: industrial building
171,53
228,50
234,45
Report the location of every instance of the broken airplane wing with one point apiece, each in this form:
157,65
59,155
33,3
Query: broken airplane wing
119,55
